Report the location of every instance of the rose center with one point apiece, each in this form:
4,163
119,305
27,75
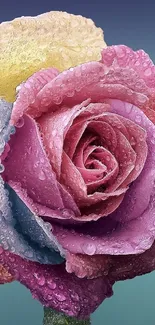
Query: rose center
95,162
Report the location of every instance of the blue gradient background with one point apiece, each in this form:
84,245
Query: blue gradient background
131,23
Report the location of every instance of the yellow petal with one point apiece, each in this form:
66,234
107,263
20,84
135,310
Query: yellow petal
54,39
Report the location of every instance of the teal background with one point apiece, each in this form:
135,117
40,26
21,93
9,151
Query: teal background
132,304
124,22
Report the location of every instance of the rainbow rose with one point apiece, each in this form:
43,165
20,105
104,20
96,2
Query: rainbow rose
77,161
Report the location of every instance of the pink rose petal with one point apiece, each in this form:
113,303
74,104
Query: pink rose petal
126,158
124,57
133,206
131,228
107,166
91,80
53,127
92,111
138,141
88,266
122,74
28,90
75,184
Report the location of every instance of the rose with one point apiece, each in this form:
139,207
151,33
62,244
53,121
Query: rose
93,222
33,43
57,115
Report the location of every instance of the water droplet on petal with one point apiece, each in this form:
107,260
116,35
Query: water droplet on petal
12,130
54,132
129,92
96,298
153,140
89,249
34,295
12,259
121,251
42,175
51,284
128,107
49,297
60,297
138,118
2,168
20,123
148,72
141,99
29,254
5,245
70,313
40,279
75,297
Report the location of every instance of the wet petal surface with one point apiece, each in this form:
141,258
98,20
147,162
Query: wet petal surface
56,288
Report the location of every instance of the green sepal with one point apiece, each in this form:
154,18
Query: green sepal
52,317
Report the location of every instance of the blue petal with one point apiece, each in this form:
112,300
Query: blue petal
33,227
21,232
19,243
5,129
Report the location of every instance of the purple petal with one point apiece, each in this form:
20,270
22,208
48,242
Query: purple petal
133,205
128,266
56,288
27,164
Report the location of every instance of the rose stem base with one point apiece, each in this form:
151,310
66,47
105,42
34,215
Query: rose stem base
52,317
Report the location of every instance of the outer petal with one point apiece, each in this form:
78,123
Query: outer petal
34,230
129,266
121,74
133,206
99,81
107,236
88,266
55,39
121,56
17,242
28,90
57,289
